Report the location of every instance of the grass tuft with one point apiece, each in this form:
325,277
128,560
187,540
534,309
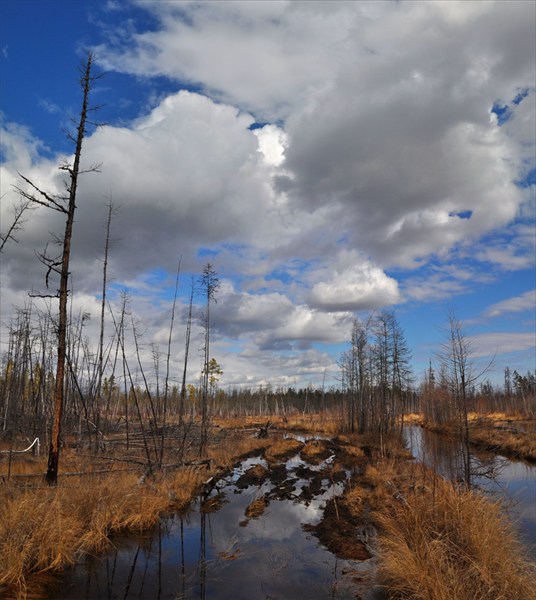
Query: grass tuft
455,546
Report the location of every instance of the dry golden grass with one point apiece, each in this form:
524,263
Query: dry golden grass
315,451
225,454
326,423
256,508
46,529
282,448
414,418
456,545
514,444
438,542
449,551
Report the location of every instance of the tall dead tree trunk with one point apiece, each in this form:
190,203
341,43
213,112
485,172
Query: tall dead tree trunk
74,170
60,265
186,352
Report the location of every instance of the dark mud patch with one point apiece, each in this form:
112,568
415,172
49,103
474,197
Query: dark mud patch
305,472
340,532
284,490
255,475
278,474
317,483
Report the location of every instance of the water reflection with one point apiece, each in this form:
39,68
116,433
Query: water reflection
222,554
513,481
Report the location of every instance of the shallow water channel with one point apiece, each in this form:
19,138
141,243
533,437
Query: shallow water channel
217,551
512,481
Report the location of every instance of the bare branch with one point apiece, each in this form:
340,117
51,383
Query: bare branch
49,202
33,295
17,223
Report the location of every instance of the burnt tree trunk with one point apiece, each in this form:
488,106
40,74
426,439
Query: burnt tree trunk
54,450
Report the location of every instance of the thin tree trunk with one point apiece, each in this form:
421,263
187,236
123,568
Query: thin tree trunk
186,351
54,451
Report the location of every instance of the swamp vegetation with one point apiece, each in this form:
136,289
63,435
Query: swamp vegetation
393,527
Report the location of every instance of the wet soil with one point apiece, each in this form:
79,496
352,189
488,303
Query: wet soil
340,532
253,476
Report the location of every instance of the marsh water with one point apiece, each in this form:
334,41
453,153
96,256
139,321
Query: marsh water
223,553
220,550
514,482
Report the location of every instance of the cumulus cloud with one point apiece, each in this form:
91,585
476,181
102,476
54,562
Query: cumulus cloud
188,174
386,106
336,158
264,57
273,320
355,285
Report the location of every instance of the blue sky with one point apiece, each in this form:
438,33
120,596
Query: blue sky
330,159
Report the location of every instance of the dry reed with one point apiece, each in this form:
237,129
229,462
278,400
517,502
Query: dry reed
452,545
46,529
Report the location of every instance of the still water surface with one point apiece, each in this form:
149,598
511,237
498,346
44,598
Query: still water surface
225,555
512,481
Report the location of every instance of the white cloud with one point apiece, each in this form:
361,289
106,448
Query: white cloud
387,108
272,144
511,255
492,344
273,320
354,285
264,57
526,301
189,174
380,151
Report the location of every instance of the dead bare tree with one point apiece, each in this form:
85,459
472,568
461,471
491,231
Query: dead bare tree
186,352
168,358
100,358
16,224
66,205
457,359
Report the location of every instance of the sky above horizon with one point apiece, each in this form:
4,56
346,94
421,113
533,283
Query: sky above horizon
330,159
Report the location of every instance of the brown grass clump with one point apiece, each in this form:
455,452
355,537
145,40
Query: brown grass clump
282,448
516,444
485,435
456,545
225,454
315,451
46,529
256,508
321,423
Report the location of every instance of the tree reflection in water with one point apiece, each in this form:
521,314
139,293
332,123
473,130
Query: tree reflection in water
514,482
223,555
